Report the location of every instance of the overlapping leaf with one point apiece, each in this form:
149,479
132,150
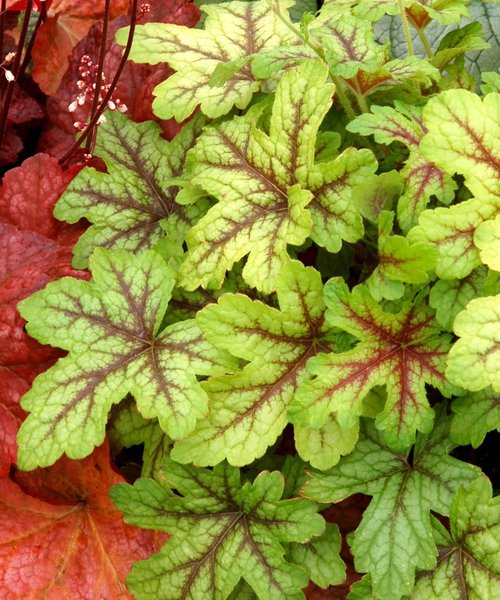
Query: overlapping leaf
133,203
468,563
63,538
402,351
475,414
422,179
222,531
255,177
487,239
474,360
399,261
394,537
110,327
233,31
463,134
248,409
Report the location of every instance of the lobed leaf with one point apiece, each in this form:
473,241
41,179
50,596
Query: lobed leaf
222,531
233,31
469,556
401,351
110,327
248,409
133,203
255,176
394,537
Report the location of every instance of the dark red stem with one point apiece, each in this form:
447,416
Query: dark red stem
104,103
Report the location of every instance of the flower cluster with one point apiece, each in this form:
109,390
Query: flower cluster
87,85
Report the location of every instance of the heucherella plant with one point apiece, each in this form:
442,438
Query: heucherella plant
295,300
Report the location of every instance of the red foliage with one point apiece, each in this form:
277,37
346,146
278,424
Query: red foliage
61,535
35,249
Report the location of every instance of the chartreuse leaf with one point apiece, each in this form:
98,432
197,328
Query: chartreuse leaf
399,261
442,11
487,239
457,42
476,413
233,31
323,447
402,351
463,137
394,537
221,530
248,409
110,328
255,177
449,296
474,360
468,563
421,178
132,205
321,557
334,216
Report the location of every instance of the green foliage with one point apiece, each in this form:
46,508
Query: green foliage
216,523
297,295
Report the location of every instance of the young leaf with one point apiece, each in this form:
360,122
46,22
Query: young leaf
394,537
474,360
476,413
255,177
222,531
248,409
422,179
468,563
402,351
233,31
110,327
399,261
320,557
133,202
61,535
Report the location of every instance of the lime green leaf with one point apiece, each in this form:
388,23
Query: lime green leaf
132,204
323,447
335,217
402,351
491,82
110,327
474,360
321,557
464,137
394,537
377,193
233,31
457,42
362,590
399,261
487,239
476,413
222,530
349,45
469,560
255,177
248,409
422,179
452,231
442,11
448,297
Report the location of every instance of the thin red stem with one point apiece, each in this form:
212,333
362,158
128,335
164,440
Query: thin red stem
112,87
7,98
